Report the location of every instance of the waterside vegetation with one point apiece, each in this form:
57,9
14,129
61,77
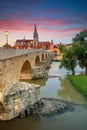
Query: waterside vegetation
55,60
73,56
77,52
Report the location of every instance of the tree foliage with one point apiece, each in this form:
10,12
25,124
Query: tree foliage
68,60
77,52
81,51
81,37
61,48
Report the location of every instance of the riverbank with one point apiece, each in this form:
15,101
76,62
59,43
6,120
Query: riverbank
79,82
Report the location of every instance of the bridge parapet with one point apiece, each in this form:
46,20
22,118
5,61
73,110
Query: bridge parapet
10,53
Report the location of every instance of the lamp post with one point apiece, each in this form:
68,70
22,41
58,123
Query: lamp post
6,33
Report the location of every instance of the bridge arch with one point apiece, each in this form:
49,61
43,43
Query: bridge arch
26,71
42,56
46,55
37,61
1,101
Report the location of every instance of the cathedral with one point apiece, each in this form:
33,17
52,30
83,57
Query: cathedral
34,43
30,43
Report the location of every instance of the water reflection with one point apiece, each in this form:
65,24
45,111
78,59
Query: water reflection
41,82
60,87
50,89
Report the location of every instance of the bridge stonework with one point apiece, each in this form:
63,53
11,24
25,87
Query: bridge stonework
14,66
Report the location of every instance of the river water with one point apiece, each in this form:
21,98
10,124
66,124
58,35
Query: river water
55,87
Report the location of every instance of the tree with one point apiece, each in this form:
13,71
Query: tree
69,60
61,48
81,37
81,51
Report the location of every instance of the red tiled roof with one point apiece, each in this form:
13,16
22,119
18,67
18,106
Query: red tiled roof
45,42
55,46
24,40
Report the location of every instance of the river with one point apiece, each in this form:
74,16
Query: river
55,87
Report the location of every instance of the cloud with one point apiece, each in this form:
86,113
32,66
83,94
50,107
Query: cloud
15,22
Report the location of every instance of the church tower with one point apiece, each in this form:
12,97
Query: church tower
35,37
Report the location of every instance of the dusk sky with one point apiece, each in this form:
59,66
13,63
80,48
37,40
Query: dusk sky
59,20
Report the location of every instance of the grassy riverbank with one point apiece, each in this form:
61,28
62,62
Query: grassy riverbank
79,82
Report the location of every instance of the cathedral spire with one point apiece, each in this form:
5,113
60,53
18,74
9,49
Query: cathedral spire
35,29
35,36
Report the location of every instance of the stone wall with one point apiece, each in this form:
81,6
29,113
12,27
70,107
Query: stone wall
19,96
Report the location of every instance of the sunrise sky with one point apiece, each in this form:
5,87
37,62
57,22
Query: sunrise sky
59,20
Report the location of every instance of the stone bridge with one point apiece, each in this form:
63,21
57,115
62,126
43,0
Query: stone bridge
18,64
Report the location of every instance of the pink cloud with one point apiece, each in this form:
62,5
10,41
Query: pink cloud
43,25
59,34
15,25
51,22
47,28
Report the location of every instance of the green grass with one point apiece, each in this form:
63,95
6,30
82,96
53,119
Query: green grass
79,82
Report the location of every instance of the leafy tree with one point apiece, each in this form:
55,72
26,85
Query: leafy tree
81,51
69,60
81,37
78,51
61,48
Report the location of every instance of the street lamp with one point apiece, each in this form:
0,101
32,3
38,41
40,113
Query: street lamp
6,33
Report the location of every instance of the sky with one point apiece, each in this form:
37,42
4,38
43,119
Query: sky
57,20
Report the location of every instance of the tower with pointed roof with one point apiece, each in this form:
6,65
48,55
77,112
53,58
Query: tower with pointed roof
35,36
